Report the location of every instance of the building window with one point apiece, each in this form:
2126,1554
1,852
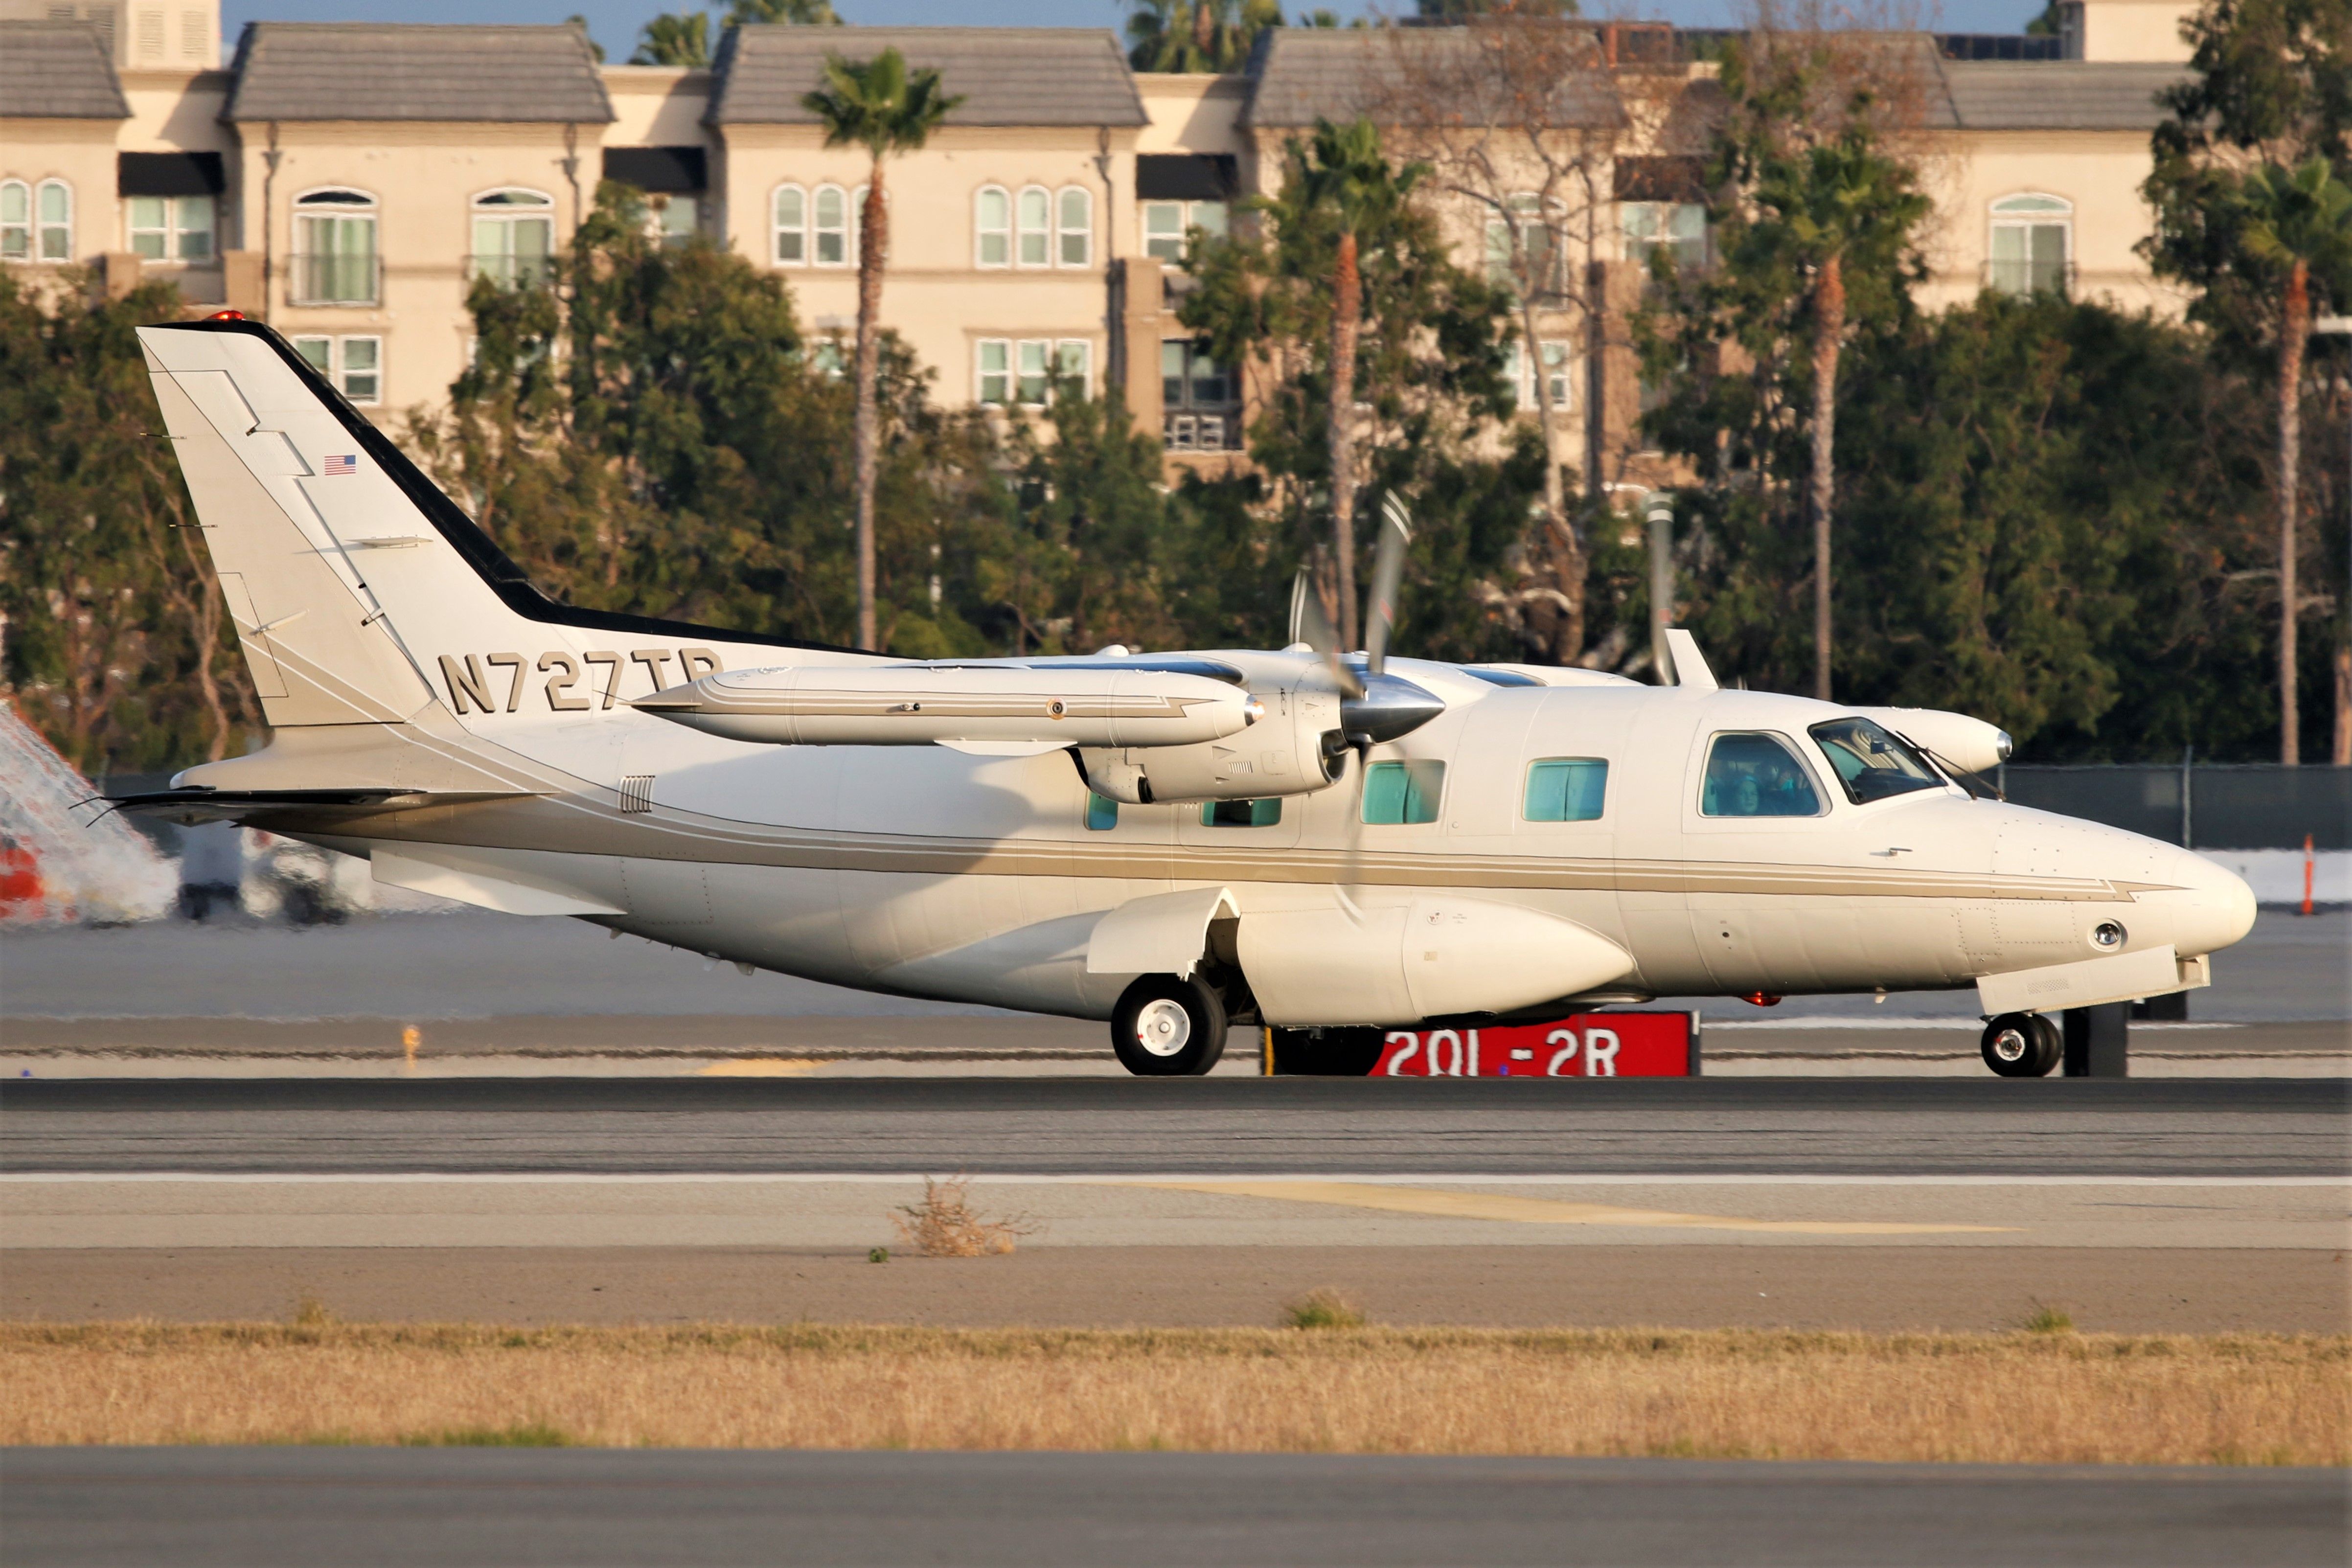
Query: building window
334,248
1026,370
673,219
1200,403
1522,251
2032,245
1168,226
1401,793
1756,775
514,238
830,232
1676,229
356,365
1035,214
1556,380
170,228
991,223
15,221
791,226
1074,213
1566,790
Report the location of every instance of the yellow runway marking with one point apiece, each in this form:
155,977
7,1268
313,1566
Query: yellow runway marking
1446,1205
761,1067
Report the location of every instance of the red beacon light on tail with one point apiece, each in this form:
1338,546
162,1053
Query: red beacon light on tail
226,315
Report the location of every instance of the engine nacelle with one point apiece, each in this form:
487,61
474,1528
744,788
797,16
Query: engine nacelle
1285,753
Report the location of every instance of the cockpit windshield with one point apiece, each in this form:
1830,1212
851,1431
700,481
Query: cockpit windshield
1872,763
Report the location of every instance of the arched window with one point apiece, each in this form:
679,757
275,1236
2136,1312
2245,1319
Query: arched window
829,234
992,226
1035,217
791,226
514,236
335,247
15,221
1074,223
2033,248
53,221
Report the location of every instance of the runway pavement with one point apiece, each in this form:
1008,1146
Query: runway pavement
354,1506
2250,1127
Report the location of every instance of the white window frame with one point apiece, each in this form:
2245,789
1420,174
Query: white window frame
983,372
44,226
1188,218
16,232
537,206
1073,243
797,229
1558,356
1641,242
338,371
985,229
1024,360
361,204
2013,213
172,233
847,231
1040,230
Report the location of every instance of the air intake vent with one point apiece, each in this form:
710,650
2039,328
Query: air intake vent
636,792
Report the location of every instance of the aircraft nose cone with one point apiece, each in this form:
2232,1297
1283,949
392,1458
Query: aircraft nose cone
2218,909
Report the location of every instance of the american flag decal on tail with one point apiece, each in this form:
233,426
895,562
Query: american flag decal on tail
349,465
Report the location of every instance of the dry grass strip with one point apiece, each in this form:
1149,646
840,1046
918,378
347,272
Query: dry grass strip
2021,1397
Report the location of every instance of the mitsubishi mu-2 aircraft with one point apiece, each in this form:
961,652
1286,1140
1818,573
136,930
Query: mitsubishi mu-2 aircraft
1328,843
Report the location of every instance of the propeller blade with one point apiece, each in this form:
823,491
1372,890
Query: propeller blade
1388,573
1310,625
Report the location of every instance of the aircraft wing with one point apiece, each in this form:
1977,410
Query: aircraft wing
1048,704
197,804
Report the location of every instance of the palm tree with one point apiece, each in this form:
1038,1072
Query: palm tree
1828,203
1346,180
2295,229
878,105
1212,36
681,38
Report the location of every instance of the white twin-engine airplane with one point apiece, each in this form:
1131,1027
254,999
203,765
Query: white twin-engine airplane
1331,845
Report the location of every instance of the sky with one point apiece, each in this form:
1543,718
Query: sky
614,23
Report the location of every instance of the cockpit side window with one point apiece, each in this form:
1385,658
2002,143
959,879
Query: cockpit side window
1871,763
1756,775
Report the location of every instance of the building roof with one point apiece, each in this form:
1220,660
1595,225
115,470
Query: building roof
57,70
2057,95
1301,75
407,71
1006,75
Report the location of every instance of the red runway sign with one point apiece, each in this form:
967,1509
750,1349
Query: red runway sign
1584,1045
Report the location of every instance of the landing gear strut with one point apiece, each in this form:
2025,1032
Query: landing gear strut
1167,1027
2022,1045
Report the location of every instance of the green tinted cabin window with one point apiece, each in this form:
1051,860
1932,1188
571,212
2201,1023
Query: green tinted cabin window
1102,815
1756,775
1241,814
1402,792
1566,790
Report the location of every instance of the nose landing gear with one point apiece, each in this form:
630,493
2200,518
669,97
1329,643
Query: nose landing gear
2022,1045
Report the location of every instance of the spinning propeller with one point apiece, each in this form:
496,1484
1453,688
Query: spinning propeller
1376,706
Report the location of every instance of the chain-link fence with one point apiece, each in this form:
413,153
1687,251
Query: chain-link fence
2218,807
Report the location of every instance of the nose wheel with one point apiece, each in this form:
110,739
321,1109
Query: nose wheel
2022,1045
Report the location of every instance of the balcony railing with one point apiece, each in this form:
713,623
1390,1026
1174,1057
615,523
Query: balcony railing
1196,430
512,271
336,279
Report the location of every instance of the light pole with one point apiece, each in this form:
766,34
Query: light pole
1659,512
2341,327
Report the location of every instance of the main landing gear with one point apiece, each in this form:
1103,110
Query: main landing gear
1167,1027
2022,1045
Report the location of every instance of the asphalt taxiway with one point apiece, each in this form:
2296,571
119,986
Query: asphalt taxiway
354,1507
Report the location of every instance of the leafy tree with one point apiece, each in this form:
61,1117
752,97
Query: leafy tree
2239,204
112,637
1341,291
878,105
679,39
1206,35
1817,240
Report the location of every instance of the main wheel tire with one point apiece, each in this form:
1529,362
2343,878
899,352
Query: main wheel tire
2021,1045
1327,1053
1165,1027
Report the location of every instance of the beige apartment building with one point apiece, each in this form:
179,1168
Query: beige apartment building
350,182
